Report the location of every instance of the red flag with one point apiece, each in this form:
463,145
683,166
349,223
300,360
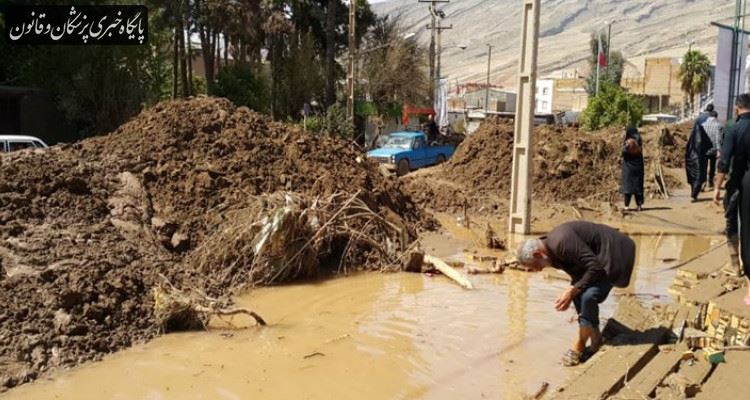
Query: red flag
602,56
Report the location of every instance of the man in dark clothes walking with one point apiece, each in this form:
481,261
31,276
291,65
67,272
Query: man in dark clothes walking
735,155
597,257
696,160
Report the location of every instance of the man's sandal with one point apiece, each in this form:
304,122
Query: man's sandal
571,358
586,354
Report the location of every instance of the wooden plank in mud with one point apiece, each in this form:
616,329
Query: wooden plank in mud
606,372
703,267
728,381
645,382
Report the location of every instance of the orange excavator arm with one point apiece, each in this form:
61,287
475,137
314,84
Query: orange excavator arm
411,110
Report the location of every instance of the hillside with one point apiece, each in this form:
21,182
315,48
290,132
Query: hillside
642,28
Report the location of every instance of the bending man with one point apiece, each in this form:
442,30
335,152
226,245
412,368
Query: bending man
597,258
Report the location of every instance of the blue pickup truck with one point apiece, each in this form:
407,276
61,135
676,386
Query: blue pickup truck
407,151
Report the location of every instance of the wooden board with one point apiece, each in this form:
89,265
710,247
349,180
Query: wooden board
728,381
607,371
702,267
704,292
698,371
645,382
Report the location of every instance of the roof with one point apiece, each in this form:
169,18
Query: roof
407,134
19,137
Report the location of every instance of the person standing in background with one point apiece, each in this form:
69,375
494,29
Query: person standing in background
715,132
696,162
631,182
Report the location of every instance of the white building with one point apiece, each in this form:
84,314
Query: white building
544,94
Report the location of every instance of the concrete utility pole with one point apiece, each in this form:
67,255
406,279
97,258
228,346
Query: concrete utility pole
439,52
433,27
440,29
487,89
521,189
352,53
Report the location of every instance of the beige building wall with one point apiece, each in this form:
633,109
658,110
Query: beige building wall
661,79
569,95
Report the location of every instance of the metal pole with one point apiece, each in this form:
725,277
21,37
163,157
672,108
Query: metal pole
487,89
352,55
609,41
734,70
432,52
598,67
523,149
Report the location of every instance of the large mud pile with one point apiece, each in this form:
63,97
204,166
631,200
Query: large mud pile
568,165
88,230
673,143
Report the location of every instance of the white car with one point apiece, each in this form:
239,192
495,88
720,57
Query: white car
10,143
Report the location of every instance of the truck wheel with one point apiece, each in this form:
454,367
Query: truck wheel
440,159
403,167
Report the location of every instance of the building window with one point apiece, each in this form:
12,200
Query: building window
545,104
545,91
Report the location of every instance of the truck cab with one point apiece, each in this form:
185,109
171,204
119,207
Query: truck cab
407,151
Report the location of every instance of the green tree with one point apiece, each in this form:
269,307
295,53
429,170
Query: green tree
695,72
613,107
96,88
394,68
244,86
333,123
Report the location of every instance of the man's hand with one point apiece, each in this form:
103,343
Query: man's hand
563,302
717,196
717,187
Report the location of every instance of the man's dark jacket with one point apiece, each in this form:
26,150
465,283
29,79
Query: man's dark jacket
591,253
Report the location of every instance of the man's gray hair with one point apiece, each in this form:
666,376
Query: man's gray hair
526,250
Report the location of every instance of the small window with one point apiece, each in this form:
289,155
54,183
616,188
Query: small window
545,91
15,146
38,144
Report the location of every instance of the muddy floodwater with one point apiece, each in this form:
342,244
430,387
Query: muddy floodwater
378,336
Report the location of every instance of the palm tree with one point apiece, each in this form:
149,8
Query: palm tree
695,72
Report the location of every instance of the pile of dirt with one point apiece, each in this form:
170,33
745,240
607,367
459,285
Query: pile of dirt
568,165
187,192
673,143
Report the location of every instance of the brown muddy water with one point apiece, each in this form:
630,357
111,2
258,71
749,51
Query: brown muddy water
374,336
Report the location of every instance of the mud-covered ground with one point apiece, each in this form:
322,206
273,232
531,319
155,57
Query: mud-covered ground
88,230
569,165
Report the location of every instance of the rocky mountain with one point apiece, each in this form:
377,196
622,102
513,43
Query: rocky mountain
640,28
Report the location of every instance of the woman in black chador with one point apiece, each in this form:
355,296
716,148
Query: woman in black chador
631,183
